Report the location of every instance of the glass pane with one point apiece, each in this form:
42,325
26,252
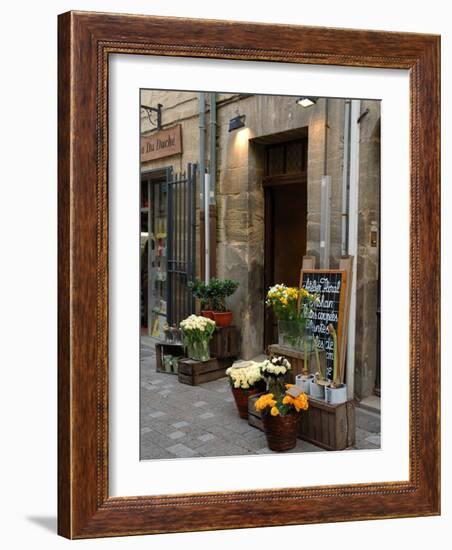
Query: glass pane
294,157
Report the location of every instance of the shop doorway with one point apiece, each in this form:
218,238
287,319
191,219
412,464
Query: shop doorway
285,189
168,247
153,245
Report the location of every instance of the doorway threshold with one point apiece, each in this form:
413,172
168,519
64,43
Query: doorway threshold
371,403
259,358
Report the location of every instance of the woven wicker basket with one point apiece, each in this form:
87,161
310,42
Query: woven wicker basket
241,400
281,431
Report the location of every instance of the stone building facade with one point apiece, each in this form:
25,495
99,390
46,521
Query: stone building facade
242,204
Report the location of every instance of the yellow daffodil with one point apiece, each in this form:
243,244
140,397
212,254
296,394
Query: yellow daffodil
274,411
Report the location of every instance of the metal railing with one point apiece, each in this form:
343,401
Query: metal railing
181,243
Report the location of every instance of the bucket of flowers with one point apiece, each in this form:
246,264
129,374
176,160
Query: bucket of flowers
196,334
274,371
245,378
292,307
320,381
281,415
336,391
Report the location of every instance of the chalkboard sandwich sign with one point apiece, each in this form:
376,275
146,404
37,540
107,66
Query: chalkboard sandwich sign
330,285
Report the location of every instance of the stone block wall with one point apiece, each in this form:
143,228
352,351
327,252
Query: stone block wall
368,255
331,116
178,108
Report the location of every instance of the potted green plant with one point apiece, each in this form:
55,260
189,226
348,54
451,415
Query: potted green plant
200,290
217,292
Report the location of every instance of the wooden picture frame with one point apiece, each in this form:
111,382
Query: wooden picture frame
86,40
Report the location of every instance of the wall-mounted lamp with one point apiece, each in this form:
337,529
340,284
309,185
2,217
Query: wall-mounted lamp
237,122
157,110
307,101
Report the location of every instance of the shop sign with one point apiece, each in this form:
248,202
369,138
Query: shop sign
163,143
331,308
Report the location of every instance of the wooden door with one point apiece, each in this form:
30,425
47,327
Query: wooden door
285,220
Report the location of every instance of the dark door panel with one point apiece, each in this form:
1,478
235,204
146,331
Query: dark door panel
285,184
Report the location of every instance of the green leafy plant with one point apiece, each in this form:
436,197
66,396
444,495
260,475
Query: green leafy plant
213,295
200,291
217,292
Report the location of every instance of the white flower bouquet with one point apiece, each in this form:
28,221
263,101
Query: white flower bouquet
276,366
245,377
274,371
196,334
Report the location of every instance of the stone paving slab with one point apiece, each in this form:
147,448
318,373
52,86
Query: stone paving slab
182,421
368,420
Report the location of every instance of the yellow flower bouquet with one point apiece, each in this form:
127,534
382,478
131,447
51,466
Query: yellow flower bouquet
283,404
284,302
280,416
292,307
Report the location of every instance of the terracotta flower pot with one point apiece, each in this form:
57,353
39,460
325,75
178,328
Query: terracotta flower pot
241,400
208,313
281,431
223,318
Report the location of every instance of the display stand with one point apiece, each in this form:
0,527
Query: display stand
194,373
331,427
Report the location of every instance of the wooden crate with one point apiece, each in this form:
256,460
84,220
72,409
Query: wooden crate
331,427
254,417
296,359
177,350
198,372
226,363
225,343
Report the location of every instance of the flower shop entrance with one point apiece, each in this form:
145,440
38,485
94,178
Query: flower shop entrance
168,247
285,189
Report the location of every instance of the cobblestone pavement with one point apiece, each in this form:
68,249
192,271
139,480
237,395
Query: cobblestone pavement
181,421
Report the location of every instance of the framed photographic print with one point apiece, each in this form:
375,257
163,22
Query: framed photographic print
248,275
